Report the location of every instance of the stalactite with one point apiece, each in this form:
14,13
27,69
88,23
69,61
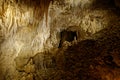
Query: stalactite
32,30
40,7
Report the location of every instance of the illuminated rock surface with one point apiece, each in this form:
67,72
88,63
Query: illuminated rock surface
36,35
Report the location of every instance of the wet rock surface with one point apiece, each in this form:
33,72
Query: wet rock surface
59,40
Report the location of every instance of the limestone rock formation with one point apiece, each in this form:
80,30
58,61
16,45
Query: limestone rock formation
93,59
36,35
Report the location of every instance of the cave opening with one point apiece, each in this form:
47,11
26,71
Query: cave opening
67,36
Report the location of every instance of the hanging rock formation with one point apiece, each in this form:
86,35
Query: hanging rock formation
36,35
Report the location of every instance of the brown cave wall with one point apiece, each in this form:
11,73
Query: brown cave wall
30,34
92,59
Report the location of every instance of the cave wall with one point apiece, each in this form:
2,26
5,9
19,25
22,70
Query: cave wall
23,28
31,27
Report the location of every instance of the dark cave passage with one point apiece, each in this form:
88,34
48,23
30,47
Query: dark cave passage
67,36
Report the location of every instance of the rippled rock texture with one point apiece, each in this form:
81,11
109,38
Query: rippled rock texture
93,59
34,36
